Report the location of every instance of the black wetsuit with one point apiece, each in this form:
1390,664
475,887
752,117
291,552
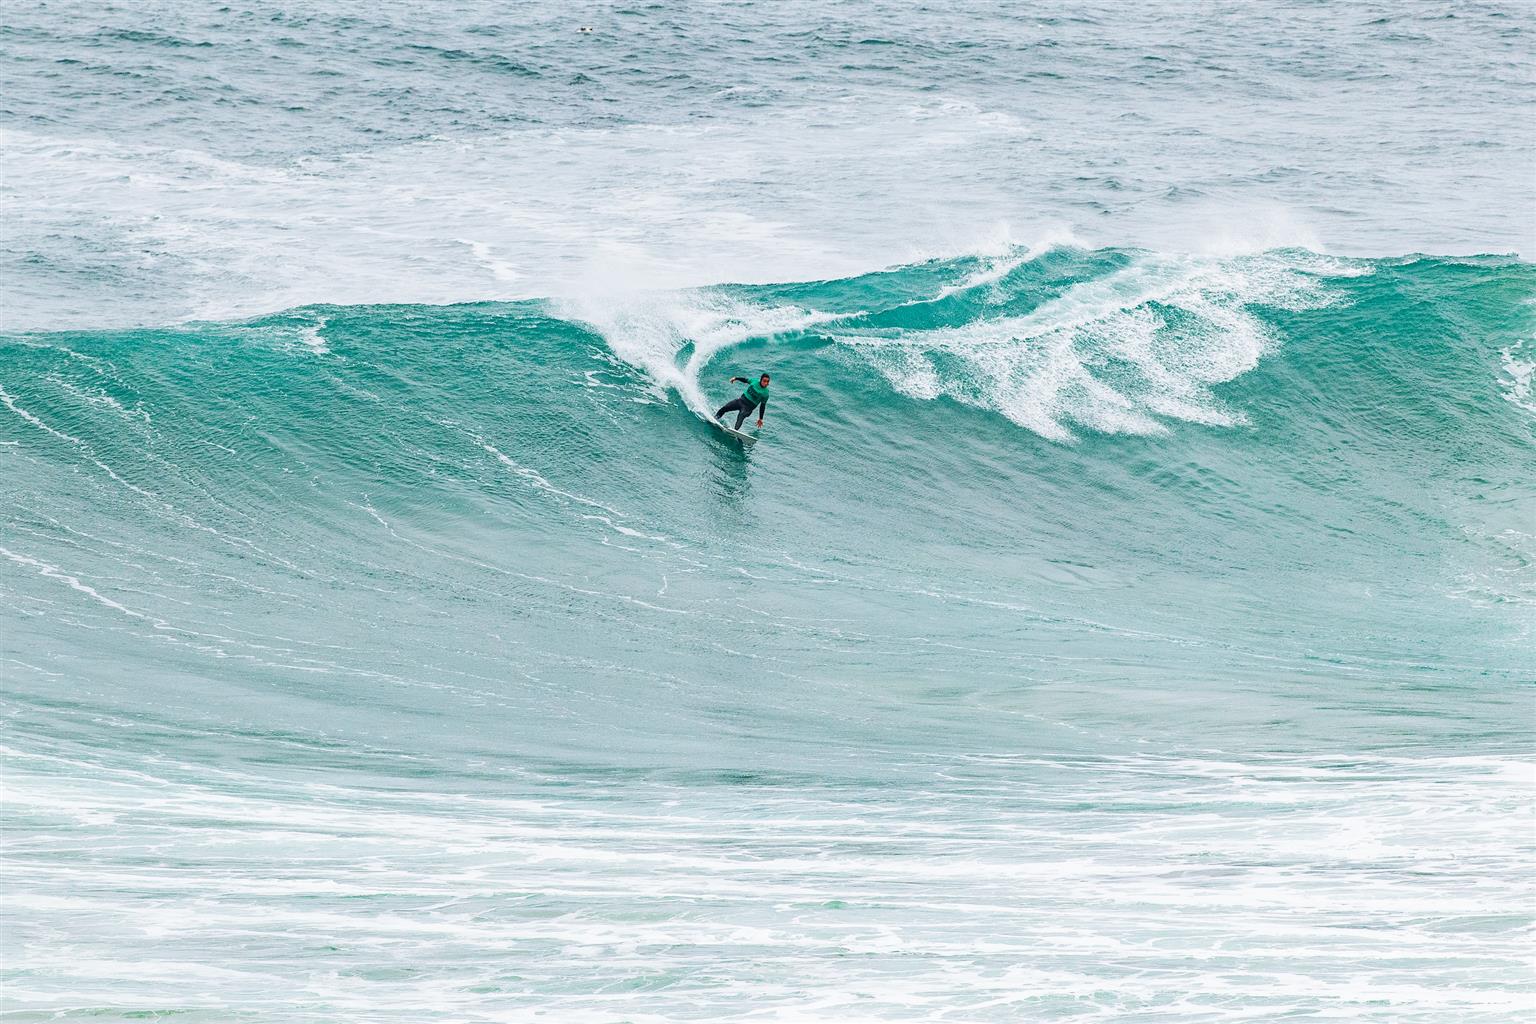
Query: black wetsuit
755,397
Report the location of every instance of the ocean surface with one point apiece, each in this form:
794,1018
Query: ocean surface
1128,614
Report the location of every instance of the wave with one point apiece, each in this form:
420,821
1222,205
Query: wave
1269,400
1103,534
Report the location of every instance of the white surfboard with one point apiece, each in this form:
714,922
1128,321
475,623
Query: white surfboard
747,439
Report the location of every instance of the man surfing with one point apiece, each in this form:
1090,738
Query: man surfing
755,397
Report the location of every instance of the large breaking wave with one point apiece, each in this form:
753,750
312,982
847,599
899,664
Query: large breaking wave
1212,577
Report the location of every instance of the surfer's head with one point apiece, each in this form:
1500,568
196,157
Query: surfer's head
763,380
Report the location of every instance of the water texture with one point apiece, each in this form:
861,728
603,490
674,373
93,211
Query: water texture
1128,614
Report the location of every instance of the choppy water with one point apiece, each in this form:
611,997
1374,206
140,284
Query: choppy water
1127,616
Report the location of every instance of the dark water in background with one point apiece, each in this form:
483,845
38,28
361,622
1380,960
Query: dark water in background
168,159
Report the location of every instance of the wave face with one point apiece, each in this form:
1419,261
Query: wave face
1102,634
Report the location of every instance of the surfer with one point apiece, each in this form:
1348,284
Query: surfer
755,397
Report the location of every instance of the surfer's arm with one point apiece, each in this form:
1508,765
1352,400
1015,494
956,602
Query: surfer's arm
740,380
762,410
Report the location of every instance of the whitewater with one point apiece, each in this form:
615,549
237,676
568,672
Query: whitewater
1127,615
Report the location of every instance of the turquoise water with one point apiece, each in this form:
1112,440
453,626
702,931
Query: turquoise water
1127,614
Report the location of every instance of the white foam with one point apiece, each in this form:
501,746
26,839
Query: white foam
74,582
1519,369
1053,367
500,269
1298,885
804,195
652,330
314,339
1000,255
1215,228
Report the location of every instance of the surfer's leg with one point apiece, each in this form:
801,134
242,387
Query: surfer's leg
732,406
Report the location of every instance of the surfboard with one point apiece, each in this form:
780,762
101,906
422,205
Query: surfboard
747,439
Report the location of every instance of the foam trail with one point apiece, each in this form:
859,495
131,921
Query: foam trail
673,336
